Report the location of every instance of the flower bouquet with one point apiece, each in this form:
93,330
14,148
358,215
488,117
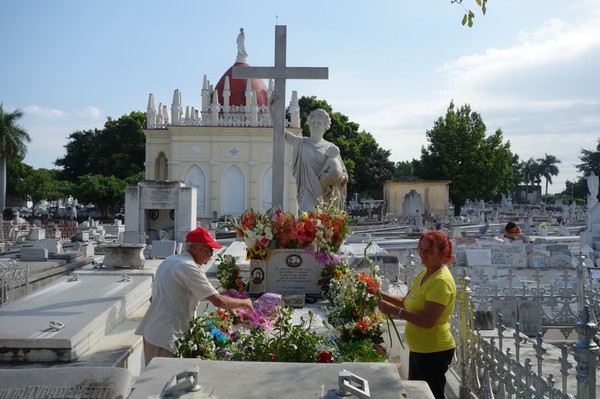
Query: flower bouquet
321,232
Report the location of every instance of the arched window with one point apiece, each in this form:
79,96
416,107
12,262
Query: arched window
233,197
195,177
161,167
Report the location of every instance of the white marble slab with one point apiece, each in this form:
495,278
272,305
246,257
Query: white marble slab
88,307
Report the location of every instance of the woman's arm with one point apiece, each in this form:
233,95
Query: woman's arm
426,319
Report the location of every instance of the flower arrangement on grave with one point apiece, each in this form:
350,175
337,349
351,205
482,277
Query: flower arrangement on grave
270,335
354,314
320,232
228,273
354,297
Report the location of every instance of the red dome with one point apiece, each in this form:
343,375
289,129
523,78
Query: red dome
238,88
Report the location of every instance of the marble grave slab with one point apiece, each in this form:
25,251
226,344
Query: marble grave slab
87,307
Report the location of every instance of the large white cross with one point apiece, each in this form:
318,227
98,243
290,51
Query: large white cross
280,73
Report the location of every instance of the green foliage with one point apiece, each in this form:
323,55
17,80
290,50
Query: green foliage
470,15
404,170
547,168
368,165
103,191
212,336
590,161
228,273
460,151
39,185
117,150
13,137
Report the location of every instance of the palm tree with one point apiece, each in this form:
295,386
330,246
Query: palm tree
548,168
530,173
12,143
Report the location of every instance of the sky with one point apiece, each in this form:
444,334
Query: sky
529,68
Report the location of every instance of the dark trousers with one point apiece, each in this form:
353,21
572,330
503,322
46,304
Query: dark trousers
431,368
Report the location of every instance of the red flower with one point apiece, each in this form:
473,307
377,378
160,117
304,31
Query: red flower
370,282
324,357
363,325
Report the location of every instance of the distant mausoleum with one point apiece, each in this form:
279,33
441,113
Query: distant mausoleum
407,198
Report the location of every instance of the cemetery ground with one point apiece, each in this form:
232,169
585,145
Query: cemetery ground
110,301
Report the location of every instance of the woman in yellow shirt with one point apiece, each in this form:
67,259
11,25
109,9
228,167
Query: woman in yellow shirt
427,307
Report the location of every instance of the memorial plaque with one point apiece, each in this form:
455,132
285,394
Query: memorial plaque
291,271
258,276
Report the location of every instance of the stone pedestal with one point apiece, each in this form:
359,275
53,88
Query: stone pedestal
124,255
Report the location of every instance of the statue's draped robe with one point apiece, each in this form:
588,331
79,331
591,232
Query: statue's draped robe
308,160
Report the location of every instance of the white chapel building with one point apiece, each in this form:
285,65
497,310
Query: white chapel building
212,159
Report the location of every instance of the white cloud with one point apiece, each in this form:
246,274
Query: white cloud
90,111
45,112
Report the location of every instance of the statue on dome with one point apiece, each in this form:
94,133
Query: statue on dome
316,175
242,55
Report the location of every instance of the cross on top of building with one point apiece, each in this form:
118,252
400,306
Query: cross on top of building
279,73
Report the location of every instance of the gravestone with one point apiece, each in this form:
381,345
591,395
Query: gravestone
53,246
67,317
30,254
71,382
478,257
36,233
538,258
286,272
271,380
163,248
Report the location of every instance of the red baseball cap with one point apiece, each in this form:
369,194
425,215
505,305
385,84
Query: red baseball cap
202,236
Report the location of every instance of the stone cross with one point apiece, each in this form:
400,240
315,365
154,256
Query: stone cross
280,73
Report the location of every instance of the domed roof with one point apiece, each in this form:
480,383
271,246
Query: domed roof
238,88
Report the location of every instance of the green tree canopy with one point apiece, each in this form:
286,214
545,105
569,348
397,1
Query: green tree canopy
478,167
13,139
103,191
40,185
368,164
117,150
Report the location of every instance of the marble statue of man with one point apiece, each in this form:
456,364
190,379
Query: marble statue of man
242,55
308,161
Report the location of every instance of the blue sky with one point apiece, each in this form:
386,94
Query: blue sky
530,68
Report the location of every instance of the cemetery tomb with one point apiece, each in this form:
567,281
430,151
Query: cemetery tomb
269,379
66,318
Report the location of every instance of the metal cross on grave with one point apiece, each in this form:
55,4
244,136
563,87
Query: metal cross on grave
279,73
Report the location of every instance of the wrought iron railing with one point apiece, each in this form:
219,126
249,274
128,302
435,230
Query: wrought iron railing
504,362
13,277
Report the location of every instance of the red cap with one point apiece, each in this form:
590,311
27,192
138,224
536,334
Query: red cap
202,236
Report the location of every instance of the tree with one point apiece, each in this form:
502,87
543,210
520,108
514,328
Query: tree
530,171
477,166
547,169
368,164
39,185
117,150
103,191
12,143
590,161
80,156
404,170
